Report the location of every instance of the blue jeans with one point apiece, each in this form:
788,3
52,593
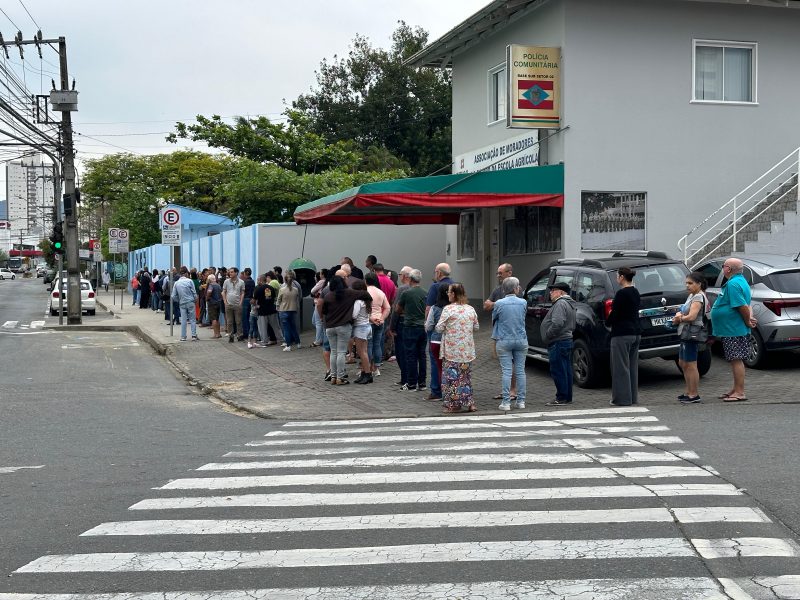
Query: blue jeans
319,327
245,317
188,315
136,296
375,345
290,335
414,340
400,351
512,358
436,385
338,337
560,354
253,324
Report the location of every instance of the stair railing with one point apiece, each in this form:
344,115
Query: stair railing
737,209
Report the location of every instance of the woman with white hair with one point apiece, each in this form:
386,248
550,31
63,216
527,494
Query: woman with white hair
511,340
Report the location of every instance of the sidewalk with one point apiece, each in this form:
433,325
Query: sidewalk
280,385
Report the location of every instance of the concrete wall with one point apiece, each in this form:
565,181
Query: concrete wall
633,126
421,246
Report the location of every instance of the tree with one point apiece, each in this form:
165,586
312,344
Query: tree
47,251
3,256
374,99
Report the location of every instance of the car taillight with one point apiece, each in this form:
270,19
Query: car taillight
55,294
776,305
91,294
607,308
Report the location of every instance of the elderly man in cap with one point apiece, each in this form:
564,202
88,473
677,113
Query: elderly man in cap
557,328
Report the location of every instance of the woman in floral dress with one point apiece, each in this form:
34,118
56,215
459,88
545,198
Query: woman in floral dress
456,324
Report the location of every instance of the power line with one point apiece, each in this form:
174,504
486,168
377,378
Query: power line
12,22
29,14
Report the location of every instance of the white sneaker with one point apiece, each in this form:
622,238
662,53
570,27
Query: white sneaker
298,346
504,406
249,344
283,344
519,405
376,373
287,349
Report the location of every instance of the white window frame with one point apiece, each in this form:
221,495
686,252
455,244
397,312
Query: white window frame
752,46
491,93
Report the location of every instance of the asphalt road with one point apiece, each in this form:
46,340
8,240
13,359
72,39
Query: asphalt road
100,425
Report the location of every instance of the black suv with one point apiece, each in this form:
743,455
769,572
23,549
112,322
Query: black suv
593,283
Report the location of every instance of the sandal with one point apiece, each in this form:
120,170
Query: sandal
734,399
498,397
723,396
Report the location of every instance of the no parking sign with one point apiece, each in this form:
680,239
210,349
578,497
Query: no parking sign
170,226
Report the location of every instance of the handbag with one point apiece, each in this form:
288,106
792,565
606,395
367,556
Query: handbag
695,333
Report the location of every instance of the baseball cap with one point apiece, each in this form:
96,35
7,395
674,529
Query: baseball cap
559,285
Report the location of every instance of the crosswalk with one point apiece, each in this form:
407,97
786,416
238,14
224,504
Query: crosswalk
594,504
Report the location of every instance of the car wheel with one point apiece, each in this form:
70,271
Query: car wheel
584,365
91,312
757,351
53,313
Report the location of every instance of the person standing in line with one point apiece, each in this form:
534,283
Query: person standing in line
396,328
441,278
316,319
626,333
288,304
259,308
691,313
442,300
106,279
362,332
354,270
370,263
337,314
273,322
732,319
185,294
377,319
457,323
412,307
249,288
503,271
144,288
232,295
213,304
556,330
135,287
511,341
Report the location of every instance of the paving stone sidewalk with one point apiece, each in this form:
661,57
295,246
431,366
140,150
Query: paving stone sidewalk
289,385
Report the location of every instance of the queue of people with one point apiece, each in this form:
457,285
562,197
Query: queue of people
360,317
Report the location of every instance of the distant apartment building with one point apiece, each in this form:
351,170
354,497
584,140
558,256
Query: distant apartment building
29,199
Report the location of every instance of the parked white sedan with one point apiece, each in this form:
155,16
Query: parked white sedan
7,274
88,301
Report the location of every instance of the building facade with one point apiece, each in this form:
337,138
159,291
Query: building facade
668,109
30,199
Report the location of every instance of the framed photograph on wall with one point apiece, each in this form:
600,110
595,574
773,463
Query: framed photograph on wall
613,221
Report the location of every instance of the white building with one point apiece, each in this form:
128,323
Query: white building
669,108
30,198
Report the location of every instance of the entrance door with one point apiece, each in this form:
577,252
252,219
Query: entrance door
492,257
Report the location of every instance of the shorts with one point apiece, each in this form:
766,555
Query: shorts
362,332
688,351
736,348
213,312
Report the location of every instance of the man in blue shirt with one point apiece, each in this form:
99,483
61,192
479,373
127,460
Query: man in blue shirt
732,320
441,276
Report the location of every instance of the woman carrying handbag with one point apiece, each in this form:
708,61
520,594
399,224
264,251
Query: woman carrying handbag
693,332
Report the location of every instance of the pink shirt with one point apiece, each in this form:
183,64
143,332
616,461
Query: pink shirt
387,286
380,305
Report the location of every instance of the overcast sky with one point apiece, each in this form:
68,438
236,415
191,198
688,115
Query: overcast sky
140,66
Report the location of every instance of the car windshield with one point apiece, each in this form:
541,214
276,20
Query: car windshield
660,278
84,285
787,282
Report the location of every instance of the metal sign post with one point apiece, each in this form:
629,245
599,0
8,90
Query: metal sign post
114,281
57,284
170,221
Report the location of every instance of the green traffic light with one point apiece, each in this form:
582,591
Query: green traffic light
58,245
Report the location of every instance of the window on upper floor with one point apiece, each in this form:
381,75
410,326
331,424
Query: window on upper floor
724,71
497,94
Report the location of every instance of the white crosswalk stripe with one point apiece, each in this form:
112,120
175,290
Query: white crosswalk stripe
508,490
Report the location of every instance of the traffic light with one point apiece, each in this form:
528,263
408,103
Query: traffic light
57,238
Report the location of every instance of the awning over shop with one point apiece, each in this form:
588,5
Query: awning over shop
437,200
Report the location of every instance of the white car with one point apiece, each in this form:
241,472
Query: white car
7,274
88,301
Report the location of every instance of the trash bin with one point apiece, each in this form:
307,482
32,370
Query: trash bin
304,271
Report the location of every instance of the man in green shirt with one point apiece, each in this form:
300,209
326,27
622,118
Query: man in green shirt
412,307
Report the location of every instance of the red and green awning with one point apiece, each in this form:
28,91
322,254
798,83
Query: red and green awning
437,200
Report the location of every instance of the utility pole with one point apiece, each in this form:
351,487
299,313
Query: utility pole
66,101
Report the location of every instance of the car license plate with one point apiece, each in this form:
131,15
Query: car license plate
658,321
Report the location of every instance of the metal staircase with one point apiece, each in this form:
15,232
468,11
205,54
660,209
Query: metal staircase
763,206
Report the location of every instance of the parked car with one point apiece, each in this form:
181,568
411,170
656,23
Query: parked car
49,276
661,282
88,300
7,274
40,271
775,288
